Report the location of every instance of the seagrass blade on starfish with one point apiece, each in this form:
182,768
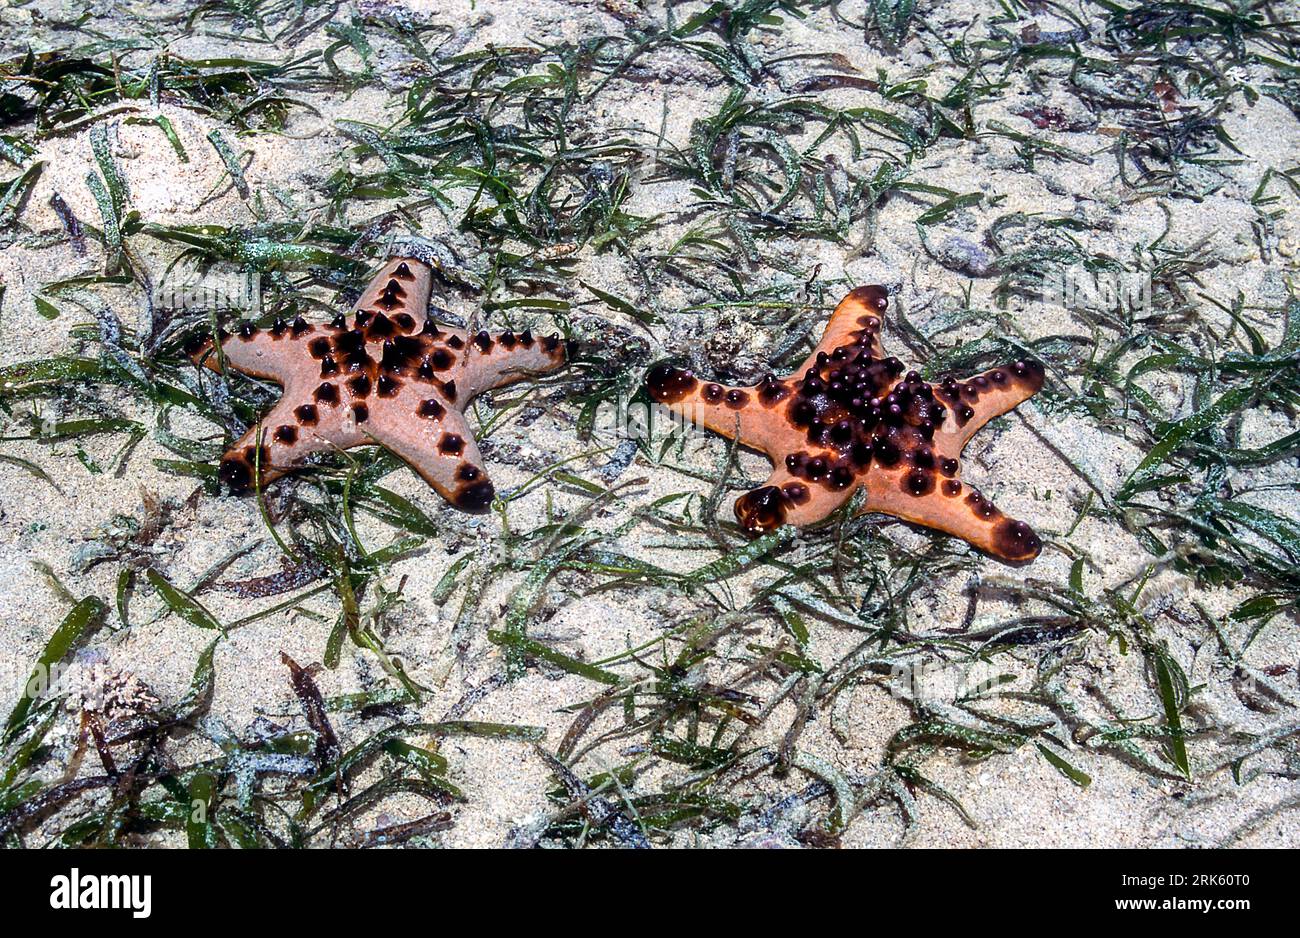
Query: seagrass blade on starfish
389,375
849,418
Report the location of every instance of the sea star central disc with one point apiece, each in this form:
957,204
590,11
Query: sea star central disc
391,376
849,418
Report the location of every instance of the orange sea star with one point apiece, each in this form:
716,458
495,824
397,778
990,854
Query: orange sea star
849,418
392,377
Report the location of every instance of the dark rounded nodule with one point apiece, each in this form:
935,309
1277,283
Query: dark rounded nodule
761,510
476,497
667,384
1031,373
1016,541
236,474
873,297
196,341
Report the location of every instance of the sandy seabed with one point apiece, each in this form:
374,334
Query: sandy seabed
1037,463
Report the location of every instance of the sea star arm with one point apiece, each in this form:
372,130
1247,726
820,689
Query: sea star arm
438,445
400,291
975,401
862,310
743,413
749,413
495,360
787,499
254,351
950,506
291,432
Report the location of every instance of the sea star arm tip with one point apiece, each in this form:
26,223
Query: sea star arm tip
950,506
857,319
743,413
495,360
976,400
442,451
787,499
